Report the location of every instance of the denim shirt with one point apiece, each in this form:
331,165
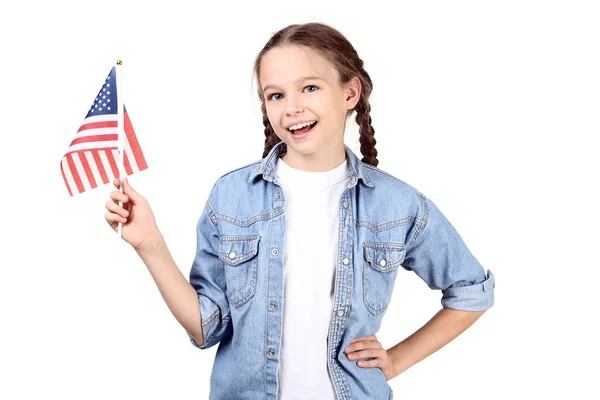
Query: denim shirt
384,224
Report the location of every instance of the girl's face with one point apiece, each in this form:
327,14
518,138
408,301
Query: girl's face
300,86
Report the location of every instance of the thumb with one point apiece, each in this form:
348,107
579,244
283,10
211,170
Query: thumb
129,191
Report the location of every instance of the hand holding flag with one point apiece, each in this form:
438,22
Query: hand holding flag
105,146
139,229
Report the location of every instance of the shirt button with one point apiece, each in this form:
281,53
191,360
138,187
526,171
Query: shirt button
345,204
271,352
274,252
278,195
345,261
232,255
341,313
382,263
273,304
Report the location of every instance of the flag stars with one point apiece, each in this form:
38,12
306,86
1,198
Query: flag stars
103,102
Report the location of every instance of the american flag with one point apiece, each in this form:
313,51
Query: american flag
93,156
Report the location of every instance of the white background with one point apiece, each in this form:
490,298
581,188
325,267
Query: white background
489,108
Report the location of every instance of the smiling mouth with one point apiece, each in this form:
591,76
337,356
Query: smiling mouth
304,130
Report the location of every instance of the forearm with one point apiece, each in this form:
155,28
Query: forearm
177,292
441,329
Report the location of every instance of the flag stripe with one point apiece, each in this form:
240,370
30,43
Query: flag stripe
98,145
134,144
111,159
62,170
74,172
102,124
80,171
128,154
93,167
86,168
95,138
106,164
98,162
100,118
99,131
126,164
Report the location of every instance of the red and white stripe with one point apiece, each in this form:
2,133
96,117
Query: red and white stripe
93,156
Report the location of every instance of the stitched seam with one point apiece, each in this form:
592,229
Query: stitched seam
421,222
384,225
212,215
210,318
238,259
250,221
237,238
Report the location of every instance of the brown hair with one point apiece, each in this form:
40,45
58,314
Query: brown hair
335,48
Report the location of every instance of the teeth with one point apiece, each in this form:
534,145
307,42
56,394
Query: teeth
302,125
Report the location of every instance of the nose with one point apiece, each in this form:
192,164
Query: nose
293,107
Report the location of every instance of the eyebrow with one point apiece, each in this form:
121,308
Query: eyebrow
304,78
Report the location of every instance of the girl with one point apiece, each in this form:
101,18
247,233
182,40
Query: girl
297,253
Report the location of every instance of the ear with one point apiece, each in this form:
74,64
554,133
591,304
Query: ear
352,92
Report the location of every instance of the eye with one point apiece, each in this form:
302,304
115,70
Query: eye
270,97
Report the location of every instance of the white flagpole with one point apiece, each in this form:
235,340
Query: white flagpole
121,128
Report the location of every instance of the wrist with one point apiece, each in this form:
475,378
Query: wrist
151,243
397,368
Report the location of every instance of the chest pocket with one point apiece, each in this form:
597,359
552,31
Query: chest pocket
380,267
239,253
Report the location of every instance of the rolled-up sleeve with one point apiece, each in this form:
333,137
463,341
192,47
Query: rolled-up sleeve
207,276
439,256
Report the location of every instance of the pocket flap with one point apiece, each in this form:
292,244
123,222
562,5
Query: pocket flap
237,249
383,256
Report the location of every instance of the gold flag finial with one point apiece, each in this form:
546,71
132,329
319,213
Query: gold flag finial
119,62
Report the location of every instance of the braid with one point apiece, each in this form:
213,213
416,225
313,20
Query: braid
363,119
271,139
367,133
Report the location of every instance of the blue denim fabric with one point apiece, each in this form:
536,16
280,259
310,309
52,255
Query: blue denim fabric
237,272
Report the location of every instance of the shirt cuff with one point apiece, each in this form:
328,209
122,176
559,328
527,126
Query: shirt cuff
476,297
209,324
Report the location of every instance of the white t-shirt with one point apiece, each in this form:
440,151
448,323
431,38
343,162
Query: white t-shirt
310,252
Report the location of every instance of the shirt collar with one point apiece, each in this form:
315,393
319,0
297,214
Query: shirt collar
266,167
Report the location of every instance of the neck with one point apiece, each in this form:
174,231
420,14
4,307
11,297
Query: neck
322,160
